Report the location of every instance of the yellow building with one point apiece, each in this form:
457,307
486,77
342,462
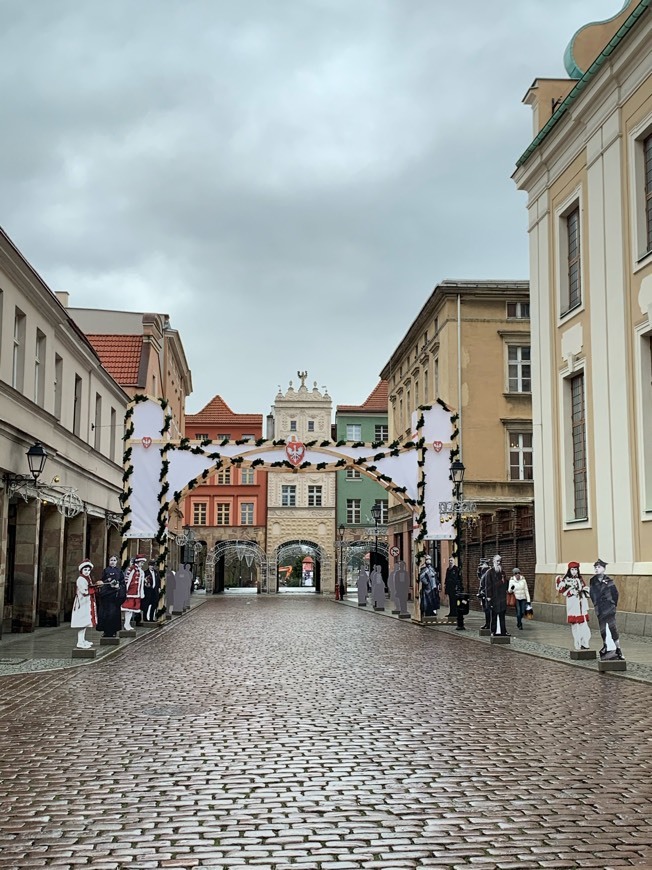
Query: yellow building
470,347
588,176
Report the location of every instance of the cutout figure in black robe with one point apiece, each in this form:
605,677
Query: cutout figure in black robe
111,592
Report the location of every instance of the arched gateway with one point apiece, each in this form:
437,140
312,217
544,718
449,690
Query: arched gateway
159,470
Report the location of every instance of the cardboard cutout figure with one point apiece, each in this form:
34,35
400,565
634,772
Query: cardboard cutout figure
604,596
576,592
111,592
135,582
451,586
152,588
402,587
378,588
170,588
363,585
428,590
84,614
495,586
483,567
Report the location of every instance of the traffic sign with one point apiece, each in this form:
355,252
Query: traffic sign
394,551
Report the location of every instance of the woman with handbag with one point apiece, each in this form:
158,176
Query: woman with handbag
518,588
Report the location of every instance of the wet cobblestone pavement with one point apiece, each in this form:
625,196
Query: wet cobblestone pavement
288,733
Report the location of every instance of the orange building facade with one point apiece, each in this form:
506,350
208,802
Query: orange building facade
231,505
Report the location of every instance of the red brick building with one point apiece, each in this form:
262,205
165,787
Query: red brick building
231,506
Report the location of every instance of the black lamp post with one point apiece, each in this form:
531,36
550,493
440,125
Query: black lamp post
457,476
375,513
342,581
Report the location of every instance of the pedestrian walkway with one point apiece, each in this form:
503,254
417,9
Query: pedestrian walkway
49,649
543,639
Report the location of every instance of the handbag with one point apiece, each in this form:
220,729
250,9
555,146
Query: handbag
511,599
529,612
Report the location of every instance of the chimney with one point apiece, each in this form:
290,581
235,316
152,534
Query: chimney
63,296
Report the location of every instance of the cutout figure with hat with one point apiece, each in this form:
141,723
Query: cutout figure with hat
84,614
604,596
135,581
574,589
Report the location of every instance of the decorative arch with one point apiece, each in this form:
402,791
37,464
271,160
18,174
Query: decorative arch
159,470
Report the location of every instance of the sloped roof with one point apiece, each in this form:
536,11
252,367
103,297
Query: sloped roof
120,355
218,412
375,403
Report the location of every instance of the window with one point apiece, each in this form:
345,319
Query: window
311,425
518,368
199,436
18,369
436,377
573,251
518,310
97,424
248,438
647,162
520,455
293,425
224,476
353,511
112,436
381,433
39,369
76,406
436,325
578,443
58,385
247,476
289,496
353,432
224,437
426,391
223,513
383,511
353,474
314,496
199,514
416,393
246,513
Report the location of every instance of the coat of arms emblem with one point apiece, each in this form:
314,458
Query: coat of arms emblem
295,451
437,445
146,441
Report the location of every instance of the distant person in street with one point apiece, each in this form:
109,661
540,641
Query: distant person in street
111,592
576,592
428,589
495,584
518,586
84,614
151,591
483,567
604,596
451,585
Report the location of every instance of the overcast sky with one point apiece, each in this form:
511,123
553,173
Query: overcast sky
288,179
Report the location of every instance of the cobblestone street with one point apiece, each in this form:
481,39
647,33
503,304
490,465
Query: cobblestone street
293,732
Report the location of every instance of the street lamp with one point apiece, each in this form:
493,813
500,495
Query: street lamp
375,513
37,456
457,476
342,582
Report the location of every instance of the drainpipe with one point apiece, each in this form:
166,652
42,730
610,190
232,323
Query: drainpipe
459,371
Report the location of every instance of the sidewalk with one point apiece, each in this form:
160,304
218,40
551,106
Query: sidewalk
49,649
542,639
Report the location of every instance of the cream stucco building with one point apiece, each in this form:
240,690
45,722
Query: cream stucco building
301,506
588,177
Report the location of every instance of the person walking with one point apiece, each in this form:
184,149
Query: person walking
518,587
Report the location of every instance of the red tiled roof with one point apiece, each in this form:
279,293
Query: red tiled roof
218,412
120,355
375,403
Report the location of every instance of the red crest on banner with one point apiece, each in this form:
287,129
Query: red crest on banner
295,451
437,445
146,441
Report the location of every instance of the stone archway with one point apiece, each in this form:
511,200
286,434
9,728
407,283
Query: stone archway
288,552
